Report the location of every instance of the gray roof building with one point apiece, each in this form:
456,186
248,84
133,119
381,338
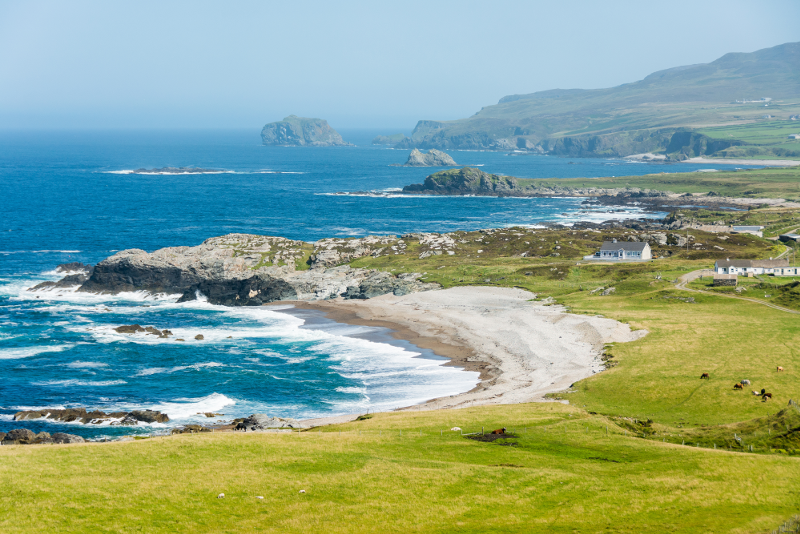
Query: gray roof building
627,246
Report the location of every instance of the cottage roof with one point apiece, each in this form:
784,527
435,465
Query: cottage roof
740,264
623,245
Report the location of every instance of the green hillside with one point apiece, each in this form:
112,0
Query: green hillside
635,117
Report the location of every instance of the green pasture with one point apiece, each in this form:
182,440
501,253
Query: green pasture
564,471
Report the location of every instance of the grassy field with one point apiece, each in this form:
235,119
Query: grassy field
645,446
765,183
769,138
562,473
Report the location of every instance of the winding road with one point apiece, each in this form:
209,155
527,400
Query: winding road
694,275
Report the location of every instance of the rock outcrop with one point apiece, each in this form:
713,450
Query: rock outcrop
24,436
471,181
80,415
434,158
251,270
300,131
76,274
259,422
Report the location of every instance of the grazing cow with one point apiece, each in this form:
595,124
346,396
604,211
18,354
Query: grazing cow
780,368
704,375
499,431
763,391
745,382
766,396
738,386
241,426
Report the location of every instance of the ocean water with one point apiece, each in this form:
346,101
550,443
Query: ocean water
64,196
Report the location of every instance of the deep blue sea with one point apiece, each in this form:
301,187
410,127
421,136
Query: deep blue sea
63,198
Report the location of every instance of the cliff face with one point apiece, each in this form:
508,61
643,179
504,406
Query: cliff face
620,121
300,131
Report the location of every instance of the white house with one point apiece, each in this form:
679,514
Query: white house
748,267
622,251
794,136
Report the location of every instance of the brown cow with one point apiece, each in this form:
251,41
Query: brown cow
738,386
780,368
704,375
499,431
766,396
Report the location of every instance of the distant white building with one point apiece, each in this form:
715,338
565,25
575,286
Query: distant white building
622,251
794,136
754,267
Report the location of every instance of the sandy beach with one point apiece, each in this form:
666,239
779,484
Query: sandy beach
522,349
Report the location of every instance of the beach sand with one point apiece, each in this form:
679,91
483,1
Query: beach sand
522,349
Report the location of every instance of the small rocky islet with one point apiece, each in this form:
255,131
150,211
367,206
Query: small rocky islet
434,158
301,131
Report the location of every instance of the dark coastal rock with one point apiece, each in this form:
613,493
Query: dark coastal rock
434,158
148,416
199,337
22,436
74,267
129,329
81,415
190,429
78,274
60,437
259,422
471,181
247,270
301,131
466,181
253,291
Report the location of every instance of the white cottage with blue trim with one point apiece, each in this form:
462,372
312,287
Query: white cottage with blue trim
623,251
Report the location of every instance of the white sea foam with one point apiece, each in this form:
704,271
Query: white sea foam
188,408
75,382
86,365
13,354
168,370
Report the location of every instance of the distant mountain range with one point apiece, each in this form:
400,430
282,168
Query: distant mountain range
633,118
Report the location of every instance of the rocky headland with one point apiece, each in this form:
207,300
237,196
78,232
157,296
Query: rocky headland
251,270
389,139
301,131
434,158
472,181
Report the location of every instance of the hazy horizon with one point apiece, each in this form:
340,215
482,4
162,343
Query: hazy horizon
94,65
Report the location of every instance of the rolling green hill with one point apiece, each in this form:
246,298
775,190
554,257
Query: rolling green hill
633,118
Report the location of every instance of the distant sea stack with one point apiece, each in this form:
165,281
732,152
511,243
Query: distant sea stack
301,131
434,158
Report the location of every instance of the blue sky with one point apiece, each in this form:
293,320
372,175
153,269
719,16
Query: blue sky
85,64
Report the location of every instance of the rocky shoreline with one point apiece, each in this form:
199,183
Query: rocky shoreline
249,270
